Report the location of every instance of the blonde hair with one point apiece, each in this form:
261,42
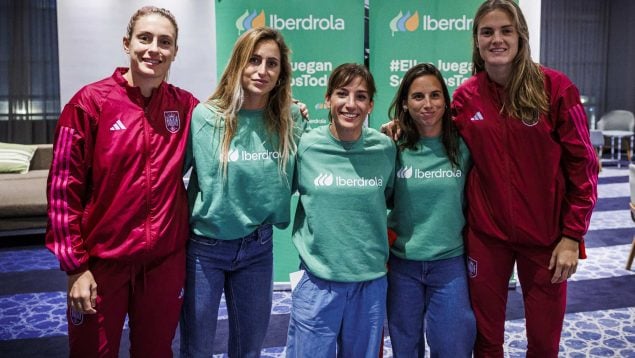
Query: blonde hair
228,97
526,87
149,10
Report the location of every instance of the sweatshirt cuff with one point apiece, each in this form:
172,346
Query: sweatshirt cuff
81,268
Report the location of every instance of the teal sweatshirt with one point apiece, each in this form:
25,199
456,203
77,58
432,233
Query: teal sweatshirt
427,213
340,223
254,191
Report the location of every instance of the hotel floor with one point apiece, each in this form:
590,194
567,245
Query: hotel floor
600,319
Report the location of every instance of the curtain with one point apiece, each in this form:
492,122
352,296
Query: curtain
29,71
574,40
620,93
593,42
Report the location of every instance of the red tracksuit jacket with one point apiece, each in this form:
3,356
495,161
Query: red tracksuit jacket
529,184
115,188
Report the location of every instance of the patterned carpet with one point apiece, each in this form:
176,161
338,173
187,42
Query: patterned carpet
600,320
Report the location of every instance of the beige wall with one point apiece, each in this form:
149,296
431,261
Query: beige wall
531,10
90,42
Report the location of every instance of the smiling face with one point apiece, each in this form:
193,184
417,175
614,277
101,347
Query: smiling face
497,41
426,105
152,48
261,74
349,106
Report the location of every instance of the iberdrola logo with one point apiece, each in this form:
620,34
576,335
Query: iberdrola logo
405,172
248,20
231,156
402,23
323,179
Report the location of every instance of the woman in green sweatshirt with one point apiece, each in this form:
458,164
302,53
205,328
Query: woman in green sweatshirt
427,281
242,152
344,175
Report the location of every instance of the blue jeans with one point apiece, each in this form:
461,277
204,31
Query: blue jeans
430,299
243,268
328,316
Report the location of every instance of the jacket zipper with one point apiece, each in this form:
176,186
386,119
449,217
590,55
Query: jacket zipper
508,185
148,158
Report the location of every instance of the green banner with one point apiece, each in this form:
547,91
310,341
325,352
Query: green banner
404,33
321,35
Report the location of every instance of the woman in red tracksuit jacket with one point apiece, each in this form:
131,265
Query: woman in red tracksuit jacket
117,206
533,184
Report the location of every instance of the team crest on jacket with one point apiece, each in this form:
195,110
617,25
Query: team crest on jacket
472,267
172,121
76,317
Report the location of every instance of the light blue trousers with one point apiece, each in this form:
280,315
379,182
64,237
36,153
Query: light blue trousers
343,318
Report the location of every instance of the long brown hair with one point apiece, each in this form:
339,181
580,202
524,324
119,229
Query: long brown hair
410,134
525,87
229,94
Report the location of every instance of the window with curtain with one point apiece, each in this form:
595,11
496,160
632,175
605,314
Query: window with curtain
573,40
29,71
592,42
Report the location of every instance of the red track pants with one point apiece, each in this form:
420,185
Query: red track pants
151,294
490,265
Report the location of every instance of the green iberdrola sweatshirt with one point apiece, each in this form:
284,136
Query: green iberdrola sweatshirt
254,191
340,224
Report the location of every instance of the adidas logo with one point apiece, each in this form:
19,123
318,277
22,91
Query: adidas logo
118,126
477,117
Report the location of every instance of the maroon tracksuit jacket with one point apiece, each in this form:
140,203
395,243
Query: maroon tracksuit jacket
117,207
531,184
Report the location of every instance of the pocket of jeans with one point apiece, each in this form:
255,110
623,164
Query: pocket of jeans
202,240
303,279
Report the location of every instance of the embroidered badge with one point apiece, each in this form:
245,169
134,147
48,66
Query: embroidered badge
530,122
472,267
76,317
172,121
